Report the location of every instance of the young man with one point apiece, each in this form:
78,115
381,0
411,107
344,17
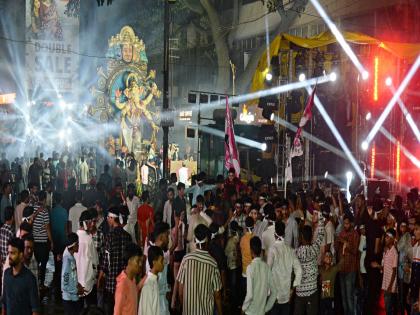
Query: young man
59,230
42,235
6,233
126,292
282,260
86,258
76,211
268,237
133,203
24,202
160,238
5,200
291,233
199,279
167,208
112,262
348,245
233,254
70,287
149,298
307,253
145,218
389,270
259,283
20,292
246,254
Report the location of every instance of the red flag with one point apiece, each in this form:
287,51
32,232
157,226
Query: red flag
231,152
297,149
307,114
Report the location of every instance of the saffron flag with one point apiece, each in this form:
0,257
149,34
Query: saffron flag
231,151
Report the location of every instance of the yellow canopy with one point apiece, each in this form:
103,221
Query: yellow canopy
401,50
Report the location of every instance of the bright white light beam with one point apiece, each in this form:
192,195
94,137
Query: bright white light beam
392,102
346,47
408,116
311,137
336,134
238,139
255,95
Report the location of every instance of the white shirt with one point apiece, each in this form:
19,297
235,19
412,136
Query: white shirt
86,261
149,298
362,250
282,260
268,238
74,216
183,175
144,170
84,173
291,233
328,239
132,206
167,212
259,286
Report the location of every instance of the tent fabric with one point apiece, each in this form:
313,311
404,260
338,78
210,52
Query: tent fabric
407,51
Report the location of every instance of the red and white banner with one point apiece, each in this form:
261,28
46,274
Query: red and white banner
231,151
297,149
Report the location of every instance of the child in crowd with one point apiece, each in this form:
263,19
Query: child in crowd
328,273
149,299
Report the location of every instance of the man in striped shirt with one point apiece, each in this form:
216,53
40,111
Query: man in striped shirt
42,235
199,278
307,253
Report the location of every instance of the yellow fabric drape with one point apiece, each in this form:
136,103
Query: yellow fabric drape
407,51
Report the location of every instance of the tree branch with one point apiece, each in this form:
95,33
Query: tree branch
287,18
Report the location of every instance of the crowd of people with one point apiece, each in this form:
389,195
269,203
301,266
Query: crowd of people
220,246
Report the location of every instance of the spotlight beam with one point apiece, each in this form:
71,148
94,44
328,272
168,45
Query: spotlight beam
346,47
404,150
311,137
393,100
408,116
221,134
255,95
336,134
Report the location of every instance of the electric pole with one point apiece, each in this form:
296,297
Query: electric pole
165,108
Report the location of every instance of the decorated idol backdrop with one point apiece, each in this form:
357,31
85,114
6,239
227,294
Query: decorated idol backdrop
124,97
52,28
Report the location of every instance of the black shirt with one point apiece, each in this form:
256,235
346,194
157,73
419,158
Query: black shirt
20,292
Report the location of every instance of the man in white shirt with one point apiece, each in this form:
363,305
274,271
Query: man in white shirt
259,283
144,171
283,261
268,235
24,202
83,173
183,174
198,189
291,234
76,211
167,208
87,258
133,203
